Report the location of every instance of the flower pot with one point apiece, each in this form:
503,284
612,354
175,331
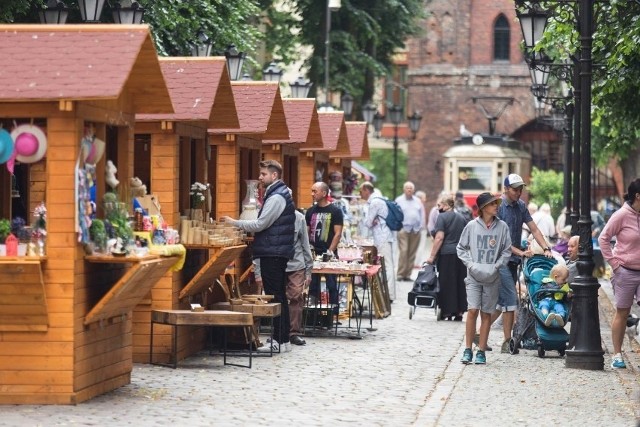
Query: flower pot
3,250
22,249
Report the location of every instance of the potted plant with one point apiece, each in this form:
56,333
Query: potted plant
23,234
5,230
98,234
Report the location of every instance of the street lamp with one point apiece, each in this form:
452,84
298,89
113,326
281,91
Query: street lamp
587,351
395,116
202,47
346,102
272,73
235,60
332,5
90,10
127,12
378,122
368,111
300,87
54,12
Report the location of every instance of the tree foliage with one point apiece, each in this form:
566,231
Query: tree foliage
546,187
381,165
616,72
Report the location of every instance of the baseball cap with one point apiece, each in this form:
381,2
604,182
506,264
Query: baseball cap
514,180
485,198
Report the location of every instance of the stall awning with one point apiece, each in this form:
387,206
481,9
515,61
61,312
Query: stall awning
363,171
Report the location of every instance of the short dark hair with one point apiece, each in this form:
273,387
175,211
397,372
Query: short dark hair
272,165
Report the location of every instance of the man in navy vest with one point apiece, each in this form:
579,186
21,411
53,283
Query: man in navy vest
273,244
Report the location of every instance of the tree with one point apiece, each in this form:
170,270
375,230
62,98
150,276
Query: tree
546,187
381,164
174,24
616,71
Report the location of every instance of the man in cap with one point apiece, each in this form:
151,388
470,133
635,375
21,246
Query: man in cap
514,212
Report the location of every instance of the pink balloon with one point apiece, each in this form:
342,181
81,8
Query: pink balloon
26,144
11,162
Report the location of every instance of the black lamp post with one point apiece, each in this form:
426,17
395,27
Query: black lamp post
414,123
272,73
54,12
90,10
300,87
587,350
127,12
202,47
346,102
235,60
378,121
368,111
395,116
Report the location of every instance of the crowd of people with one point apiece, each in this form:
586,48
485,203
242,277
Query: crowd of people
477,253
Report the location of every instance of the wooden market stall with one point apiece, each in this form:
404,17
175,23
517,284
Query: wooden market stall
334,142
72,341
171,153
304,133
358,148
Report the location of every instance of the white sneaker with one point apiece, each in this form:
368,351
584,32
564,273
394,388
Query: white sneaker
285,347
270,346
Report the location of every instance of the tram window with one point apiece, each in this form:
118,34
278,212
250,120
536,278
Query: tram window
474,177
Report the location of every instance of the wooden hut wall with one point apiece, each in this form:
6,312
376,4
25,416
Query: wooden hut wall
306,179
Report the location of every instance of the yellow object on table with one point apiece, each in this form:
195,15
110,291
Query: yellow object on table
171,250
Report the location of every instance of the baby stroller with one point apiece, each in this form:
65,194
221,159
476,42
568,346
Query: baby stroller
425,291
530,331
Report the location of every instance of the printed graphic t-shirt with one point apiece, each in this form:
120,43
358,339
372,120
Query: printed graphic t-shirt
321,221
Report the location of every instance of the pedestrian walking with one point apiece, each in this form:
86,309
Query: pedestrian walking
513,211
452,297
624,225
484,247
273,244
383,238
409,236
424,247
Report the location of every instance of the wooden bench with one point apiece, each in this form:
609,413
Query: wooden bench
214,318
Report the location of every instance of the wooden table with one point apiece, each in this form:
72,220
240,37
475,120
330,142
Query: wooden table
354,301
127,292
213,318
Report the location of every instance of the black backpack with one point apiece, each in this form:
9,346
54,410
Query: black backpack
466,213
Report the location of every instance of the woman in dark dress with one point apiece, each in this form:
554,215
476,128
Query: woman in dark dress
452,297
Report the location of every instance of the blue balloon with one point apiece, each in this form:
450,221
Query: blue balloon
6,146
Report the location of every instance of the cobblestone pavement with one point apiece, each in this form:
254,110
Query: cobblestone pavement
405,373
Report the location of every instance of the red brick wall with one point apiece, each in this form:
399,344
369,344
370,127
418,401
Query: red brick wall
448,65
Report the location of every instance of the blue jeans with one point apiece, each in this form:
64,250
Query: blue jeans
550,305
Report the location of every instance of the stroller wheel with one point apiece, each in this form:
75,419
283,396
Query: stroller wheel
438,314
540,350
410,313
561,352
513,346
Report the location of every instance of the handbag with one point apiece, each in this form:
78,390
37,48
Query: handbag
427,280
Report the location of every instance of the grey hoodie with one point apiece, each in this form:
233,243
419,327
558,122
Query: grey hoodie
484,250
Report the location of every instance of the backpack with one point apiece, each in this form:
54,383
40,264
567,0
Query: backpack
465,212
395,216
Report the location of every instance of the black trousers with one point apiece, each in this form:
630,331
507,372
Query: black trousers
274,280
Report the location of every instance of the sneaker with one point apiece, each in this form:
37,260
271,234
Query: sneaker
297,340
505,347
270,346
481,359
467,355
559,320
285,347
617,362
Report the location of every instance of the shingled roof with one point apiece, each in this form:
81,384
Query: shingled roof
303,124
200,89
334,133
358,140
260,110
81,62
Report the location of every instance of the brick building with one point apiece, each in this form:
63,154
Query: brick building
470,49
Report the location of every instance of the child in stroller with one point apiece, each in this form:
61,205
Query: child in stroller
551,305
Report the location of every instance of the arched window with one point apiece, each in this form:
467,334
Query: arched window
501,36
